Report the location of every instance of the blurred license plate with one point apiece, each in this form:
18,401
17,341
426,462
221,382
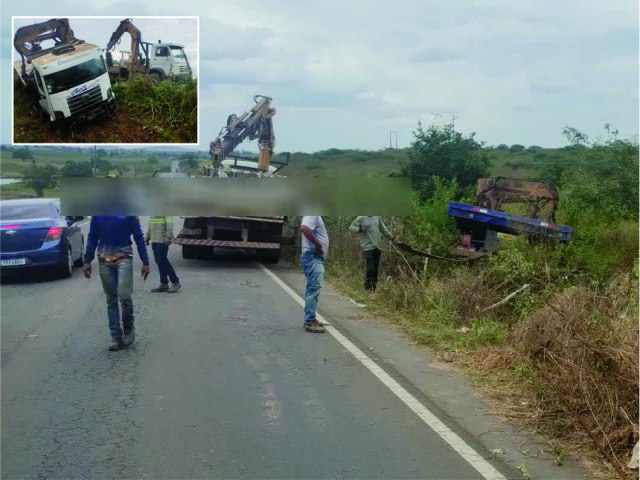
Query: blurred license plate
13,261
190,231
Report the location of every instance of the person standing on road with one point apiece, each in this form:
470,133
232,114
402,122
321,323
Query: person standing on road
160,234
111,235
315,245
368,229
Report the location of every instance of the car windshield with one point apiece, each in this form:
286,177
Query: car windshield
73,76
177,52
24,212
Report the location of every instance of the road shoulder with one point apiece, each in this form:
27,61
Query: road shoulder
441,386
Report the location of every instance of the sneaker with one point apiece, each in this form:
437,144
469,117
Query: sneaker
129,337
314,327
174,288
116,344
161,288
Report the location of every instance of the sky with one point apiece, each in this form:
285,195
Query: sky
346,74
98,30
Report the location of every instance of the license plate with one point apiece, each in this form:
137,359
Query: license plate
191,231
13,261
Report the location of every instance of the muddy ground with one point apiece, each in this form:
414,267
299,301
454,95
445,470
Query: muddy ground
122,127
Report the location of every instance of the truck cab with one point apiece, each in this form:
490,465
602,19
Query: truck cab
70,81
168,60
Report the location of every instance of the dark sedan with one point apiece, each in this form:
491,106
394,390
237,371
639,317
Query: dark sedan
34,234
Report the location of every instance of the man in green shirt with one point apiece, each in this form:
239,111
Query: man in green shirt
160,235
369,229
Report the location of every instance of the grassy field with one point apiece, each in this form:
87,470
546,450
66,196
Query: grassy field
522,164
332,162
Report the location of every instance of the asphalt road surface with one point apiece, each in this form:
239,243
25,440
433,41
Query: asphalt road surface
222,382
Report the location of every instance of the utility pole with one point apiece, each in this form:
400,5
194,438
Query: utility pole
94,160
390,141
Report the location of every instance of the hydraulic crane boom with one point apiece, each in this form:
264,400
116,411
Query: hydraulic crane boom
125,26
540,197
255,123
27,39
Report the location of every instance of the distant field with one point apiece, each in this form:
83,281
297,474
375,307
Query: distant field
522,164
135,162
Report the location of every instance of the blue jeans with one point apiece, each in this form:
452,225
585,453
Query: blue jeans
313,266
117,282
160,252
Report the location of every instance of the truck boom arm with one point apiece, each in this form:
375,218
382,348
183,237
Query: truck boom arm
541,198
125,26
27,39
255,123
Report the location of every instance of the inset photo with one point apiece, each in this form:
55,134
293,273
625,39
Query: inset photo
105,80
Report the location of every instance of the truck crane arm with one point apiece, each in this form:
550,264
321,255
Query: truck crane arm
125,26
541,198
27,39
252,124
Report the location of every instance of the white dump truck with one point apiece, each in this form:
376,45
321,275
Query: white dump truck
69,80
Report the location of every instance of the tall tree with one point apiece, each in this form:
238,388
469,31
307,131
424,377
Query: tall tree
441,151
22,153
40,177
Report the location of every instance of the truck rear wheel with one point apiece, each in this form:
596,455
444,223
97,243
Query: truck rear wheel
269,256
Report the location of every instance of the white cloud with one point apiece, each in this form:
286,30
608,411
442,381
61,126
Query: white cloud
345,73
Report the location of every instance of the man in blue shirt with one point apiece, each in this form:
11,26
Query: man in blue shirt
111,235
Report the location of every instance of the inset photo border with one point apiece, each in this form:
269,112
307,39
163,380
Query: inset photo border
75,80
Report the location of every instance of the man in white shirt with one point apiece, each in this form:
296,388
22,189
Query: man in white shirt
315,245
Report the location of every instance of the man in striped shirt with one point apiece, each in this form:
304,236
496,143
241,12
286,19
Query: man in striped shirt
160,235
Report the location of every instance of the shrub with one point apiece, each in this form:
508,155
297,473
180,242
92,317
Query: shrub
584,344
446,154
171,107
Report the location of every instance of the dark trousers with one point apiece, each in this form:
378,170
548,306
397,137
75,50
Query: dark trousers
160,252
371,262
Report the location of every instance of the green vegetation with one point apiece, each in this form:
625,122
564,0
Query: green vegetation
146,112
40,177
22,153
168,108
78,162
567,343
443,153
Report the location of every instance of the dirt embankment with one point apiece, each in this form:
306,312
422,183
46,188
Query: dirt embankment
123,127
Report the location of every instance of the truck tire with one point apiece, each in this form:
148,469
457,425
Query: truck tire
205,252
189,251
269,256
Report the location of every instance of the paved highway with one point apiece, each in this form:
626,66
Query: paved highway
222,382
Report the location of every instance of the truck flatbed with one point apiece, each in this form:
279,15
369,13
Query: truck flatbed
507,222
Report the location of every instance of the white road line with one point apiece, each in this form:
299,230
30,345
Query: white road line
458,444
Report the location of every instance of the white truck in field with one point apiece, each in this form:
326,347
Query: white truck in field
264,235
69,80
158,60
